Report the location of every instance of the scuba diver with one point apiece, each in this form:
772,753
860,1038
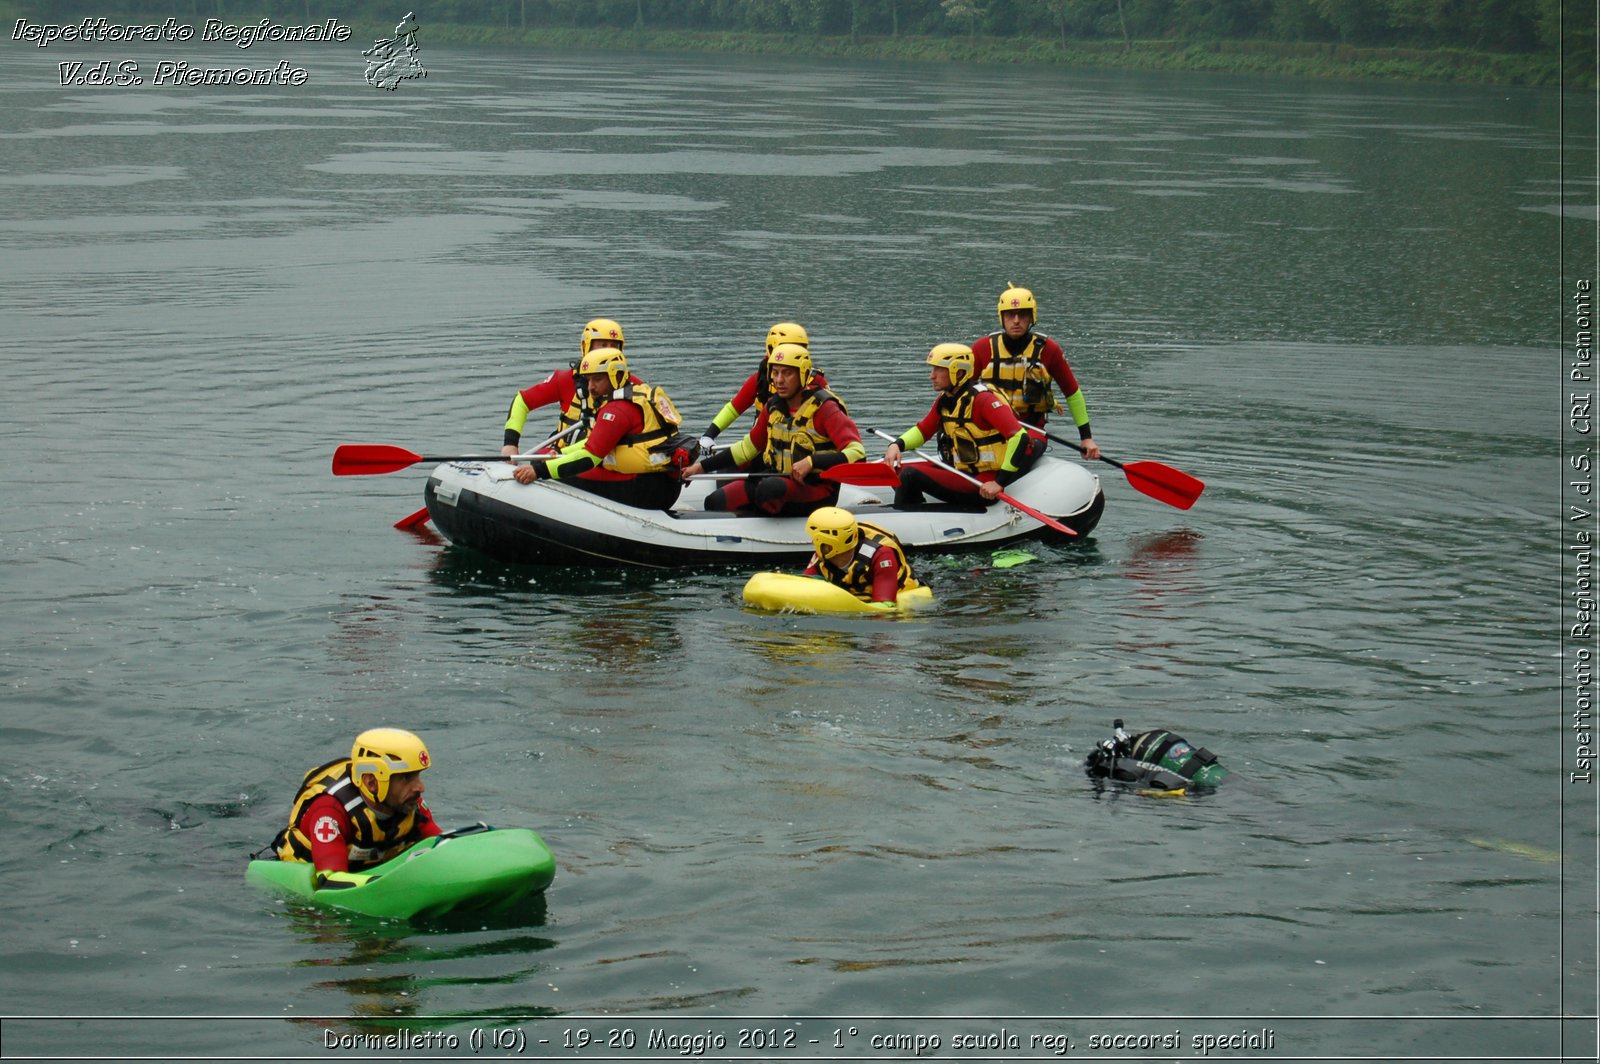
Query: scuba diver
1156,760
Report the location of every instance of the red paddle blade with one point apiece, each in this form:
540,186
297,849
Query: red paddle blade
1037,515
863,474
413,520
358,459
1172,486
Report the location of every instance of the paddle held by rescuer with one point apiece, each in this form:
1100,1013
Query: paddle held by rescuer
358,811
861,558
1021,365
977,432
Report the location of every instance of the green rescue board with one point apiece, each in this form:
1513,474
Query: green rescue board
483,871
788,593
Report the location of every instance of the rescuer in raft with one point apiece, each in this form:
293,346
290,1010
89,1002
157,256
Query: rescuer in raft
1021,365
358,811
977,433
627,455
802,429
862,558
563,388
757,388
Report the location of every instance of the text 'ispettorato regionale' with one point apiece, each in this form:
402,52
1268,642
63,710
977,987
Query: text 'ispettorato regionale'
104,31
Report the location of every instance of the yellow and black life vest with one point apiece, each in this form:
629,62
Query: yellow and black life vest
376,840
1021,378
650,449
961,442
856,577
793,435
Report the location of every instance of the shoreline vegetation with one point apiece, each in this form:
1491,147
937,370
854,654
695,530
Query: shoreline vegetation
1540,43
1312,60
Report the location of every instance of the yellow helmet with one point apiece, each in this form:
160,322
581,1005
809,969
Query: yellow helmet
606,360
957,358
1014,298
833,531
789,354
385,752
600,329
787,332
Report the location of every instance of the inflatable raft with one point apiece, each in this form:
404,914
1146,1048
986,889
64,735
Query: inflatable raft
480,505
485,869
788,593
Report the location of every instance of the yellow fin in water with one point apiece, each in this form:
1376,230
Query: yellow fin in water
1006,559
1519,849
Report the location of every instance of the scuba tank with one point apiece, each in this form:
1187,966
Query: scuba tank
1156,759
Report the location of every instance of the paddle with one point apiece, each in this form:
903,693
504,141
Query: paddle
861,474
470,829
1005,497
1172,486
419,518
364,459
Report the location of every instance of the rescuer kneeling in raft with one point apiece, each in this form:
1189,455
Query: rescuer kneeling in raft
356,812
802,430
977,434
627,456
862,558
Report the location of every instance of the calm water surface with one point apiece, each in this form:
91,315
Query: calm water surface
1333,303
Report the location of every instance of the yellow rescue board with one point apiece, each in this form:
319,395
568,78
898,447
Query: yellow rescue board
788,593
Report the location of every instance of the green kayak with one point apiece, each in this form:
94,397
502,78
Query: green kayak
481,870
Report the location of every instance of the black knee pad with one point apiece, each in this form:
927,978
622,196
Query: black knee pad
769,490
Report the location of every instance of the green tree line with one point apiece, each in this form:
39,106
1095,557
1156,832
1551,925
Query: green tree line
1551,28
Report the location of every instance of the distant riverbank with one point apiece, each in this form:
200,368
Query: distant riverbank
1307,60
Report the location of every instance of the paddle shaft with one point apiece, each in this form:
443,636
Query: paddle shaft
862,474
1036,430
416,520
353,459
1005,497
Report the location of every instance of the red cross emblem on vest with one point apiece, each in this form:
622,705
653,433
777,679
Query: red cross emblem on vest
326,829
